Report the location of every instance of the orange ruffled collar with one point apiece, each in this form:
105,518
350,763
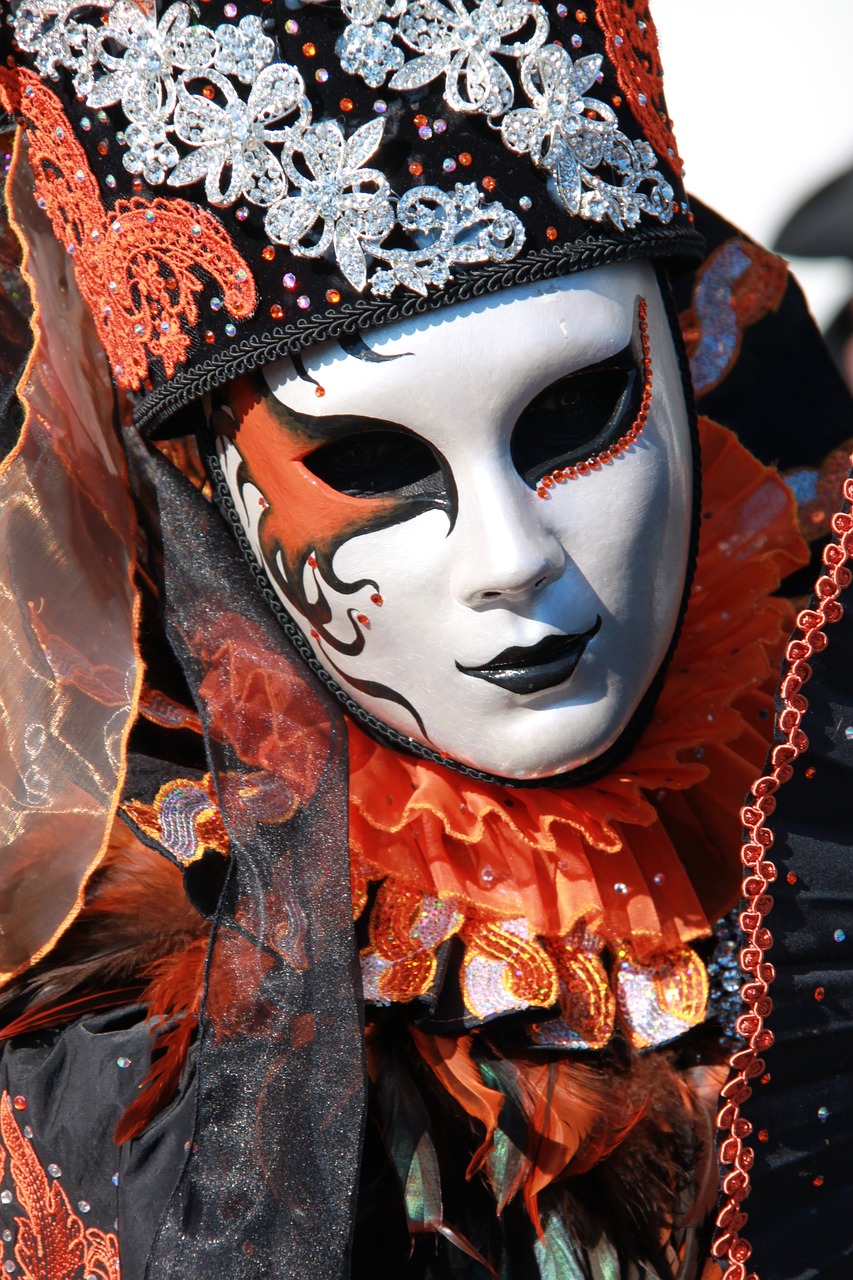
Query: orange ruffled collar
641,860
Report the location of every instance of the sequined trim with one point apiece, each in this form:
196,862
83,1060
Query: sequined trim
587,1005
140,265
52,1242
184,819
609,455
735,288
505,969
759,874
321,196
406,928
659,1002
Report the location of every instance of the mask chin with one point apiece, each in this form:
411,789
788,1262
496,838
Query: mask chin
628,733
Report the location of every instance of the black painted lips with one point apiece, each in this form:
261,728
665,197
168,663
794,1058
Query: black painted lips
535,667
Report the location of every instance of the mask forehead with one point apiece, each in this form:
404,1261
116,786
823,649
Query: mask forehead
485,358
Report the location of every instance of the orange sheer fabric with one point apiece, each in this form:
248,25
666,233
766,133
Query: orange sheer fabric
70,671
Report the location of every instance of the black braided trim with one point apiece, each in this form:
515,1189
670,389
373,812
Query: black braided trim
368,313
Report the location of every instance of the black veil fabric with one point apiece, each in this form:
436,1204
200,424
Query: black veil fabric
269,1176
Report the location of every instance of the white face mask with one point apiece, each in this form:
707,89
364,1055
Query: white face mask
393,492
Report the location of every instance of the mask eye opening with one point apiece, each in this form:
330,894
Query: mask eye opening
377,462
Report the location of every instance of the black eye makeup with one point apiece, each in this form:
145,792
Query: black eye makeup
382,461
576,424
584,416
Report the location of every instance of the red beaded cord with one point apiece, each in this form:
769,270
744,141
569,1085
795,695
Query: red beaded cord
624,442
759,873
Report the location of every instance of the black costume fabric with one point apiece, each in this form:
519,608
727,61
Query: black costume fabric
259,1161
187,293
275,1150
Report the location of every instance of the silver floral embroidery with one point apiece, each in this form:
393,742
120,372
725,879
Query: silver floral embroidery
320,197
48,31
571,136
451,40
347,202
368,52
236,135
455,229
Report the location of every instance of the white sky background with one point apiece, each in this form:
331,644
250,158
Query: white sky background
761,93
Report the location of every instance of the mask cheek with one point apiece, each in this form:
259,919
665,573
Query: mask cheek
406,615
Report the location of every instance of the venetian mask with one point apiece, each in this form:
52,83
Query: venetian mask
479,519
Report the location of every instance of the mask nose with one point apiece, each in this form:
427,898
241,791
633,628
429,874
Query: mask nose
505,551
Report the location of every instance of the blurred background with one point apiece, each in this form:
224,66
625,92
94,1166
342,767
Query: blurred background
761,92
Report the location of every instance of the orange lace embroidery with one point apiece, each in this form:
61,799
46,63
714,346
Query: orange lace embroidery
184,818
52,1242
139,265
632,47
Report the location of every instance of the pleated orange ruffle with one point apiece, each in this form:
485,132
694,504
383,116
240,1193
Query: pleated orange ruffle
648,854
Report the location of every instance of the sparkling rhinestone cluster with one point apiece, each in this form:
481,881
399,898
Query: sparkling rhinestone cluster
219,106
237,109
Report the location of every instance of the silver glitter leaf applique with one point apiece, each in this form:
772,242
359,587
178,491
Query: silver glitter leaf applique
571,136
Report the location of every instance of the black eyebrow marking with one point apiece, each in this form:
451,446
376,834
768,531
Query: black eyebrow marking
296,360
352,344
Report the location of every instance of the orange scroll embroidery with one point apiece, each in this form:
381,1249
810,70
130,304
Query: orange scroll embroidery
139,265
184,818
632,47
52,1242
590,986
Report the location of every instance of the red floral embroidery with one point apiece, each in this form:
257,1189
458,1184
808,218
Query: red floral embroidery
140,264
632,47
52,1242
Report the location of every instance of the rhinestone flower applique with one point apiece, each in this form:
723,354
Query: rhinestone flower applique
565,132
570,136
449,40
310,177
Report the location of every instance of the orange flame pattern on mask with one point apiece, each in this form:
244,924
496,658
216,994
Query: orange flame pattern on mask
137,264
